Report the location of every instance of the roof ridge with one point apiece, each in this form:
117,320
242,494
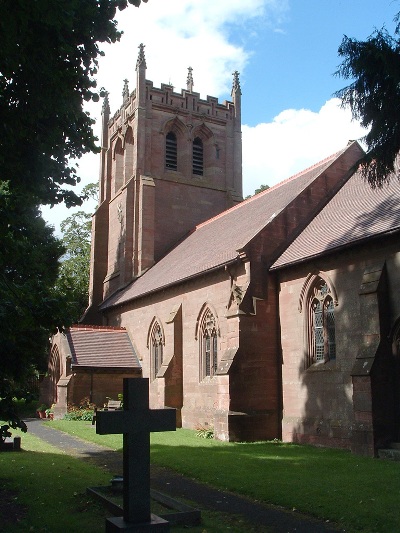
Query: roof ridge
274,187
88,327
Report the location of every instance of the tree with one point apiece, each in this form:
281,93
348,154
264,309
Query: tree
73,279
48,62
374,98
30,307
261,188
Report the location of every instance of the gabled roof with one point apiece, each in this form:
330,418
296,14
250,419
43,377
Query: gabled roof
355,214
101,347
219,240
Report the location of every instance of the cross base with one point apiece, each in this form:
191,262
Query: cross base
118,524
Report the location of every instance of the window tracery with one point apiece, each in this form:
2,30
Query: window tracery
321,327
156,349
208,345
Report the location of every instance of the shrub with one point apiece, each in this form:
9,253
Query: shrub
205,432
83,411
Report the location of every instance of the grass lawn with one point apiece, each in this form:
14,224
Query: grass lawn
360,494
44,490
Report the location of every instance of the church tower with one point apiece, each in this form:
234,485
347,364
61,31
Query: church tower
169,161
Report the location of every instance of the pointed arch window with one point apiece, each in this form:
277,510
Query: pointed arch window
322,340
198,156
129,154
118,165
208,345
171,151
156,349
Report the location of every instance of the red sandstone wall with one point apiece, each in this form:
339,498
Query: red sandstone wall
318,402
201,398
102,385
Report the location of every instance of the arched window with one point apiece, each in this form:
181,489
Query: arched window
171,151
129,154
156,349
118,165
198,156
208,337
321,329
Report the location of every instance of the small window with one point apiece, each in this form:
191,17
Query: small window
198,156
208,345
156,349
322,324
171,151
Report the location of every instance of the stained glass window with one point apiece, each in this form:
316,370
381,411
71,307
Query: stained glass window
156,349
208,345
323,343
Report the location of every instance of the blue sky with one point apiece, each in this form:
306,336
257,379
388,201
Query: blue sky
293,63
286,53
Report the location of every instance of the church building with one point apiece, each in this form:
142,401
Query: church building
270,318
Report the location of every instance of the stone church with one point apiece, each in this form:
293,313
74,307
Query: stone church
276,317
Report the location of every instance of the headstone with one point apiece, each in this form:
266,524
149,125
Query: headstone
136,421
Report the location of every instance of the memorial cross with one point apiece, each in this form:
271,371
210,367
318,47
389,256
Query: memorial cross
136,421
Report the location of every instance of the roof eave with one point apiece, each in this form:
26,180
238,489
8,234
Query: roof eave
336,249
169,285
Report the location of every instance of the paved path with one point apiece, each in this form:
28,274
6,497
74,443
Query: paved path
263,517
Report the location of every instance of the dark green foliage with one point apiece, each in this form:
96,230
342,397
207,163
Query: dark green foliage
374,98
48,63
261,188
83,411
205,432
30,307
48,60
73,280
74,271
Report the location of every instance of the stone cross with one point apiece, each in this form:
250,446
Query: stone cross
136,421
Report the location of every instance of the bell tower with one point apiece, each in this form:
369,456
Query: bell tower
169,161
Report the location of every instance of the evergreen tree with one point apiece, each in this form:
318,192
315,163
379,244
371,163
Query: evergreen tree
374,98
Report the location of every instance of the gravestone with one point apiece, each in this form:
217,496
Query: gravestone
136,421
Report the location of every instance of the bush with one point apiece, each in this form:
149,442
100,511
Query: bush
83,411
205,432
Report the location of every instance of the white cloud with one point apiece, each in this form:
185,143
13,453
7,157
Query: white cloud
182,33
293,141
212,36
177,34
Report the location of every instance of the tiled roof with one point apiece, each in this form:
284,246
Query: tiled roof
356,213
217,241
101,347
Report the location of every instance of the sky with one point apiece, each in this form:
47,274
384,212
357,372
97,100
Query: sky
286,52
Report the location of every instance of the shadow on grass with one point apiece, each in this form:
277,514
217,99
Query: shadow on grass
51,488
328,484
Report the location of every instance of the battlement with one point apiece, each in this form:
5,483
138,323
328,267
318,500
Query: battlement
185,103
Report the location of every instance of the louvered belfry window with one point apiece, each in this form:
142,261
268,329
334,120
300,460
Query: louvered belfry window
208,345
198,156
171,151
322,330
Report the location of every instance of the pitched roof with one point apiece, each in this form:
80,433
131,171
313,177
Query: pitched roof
101,347
356,213
218,241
